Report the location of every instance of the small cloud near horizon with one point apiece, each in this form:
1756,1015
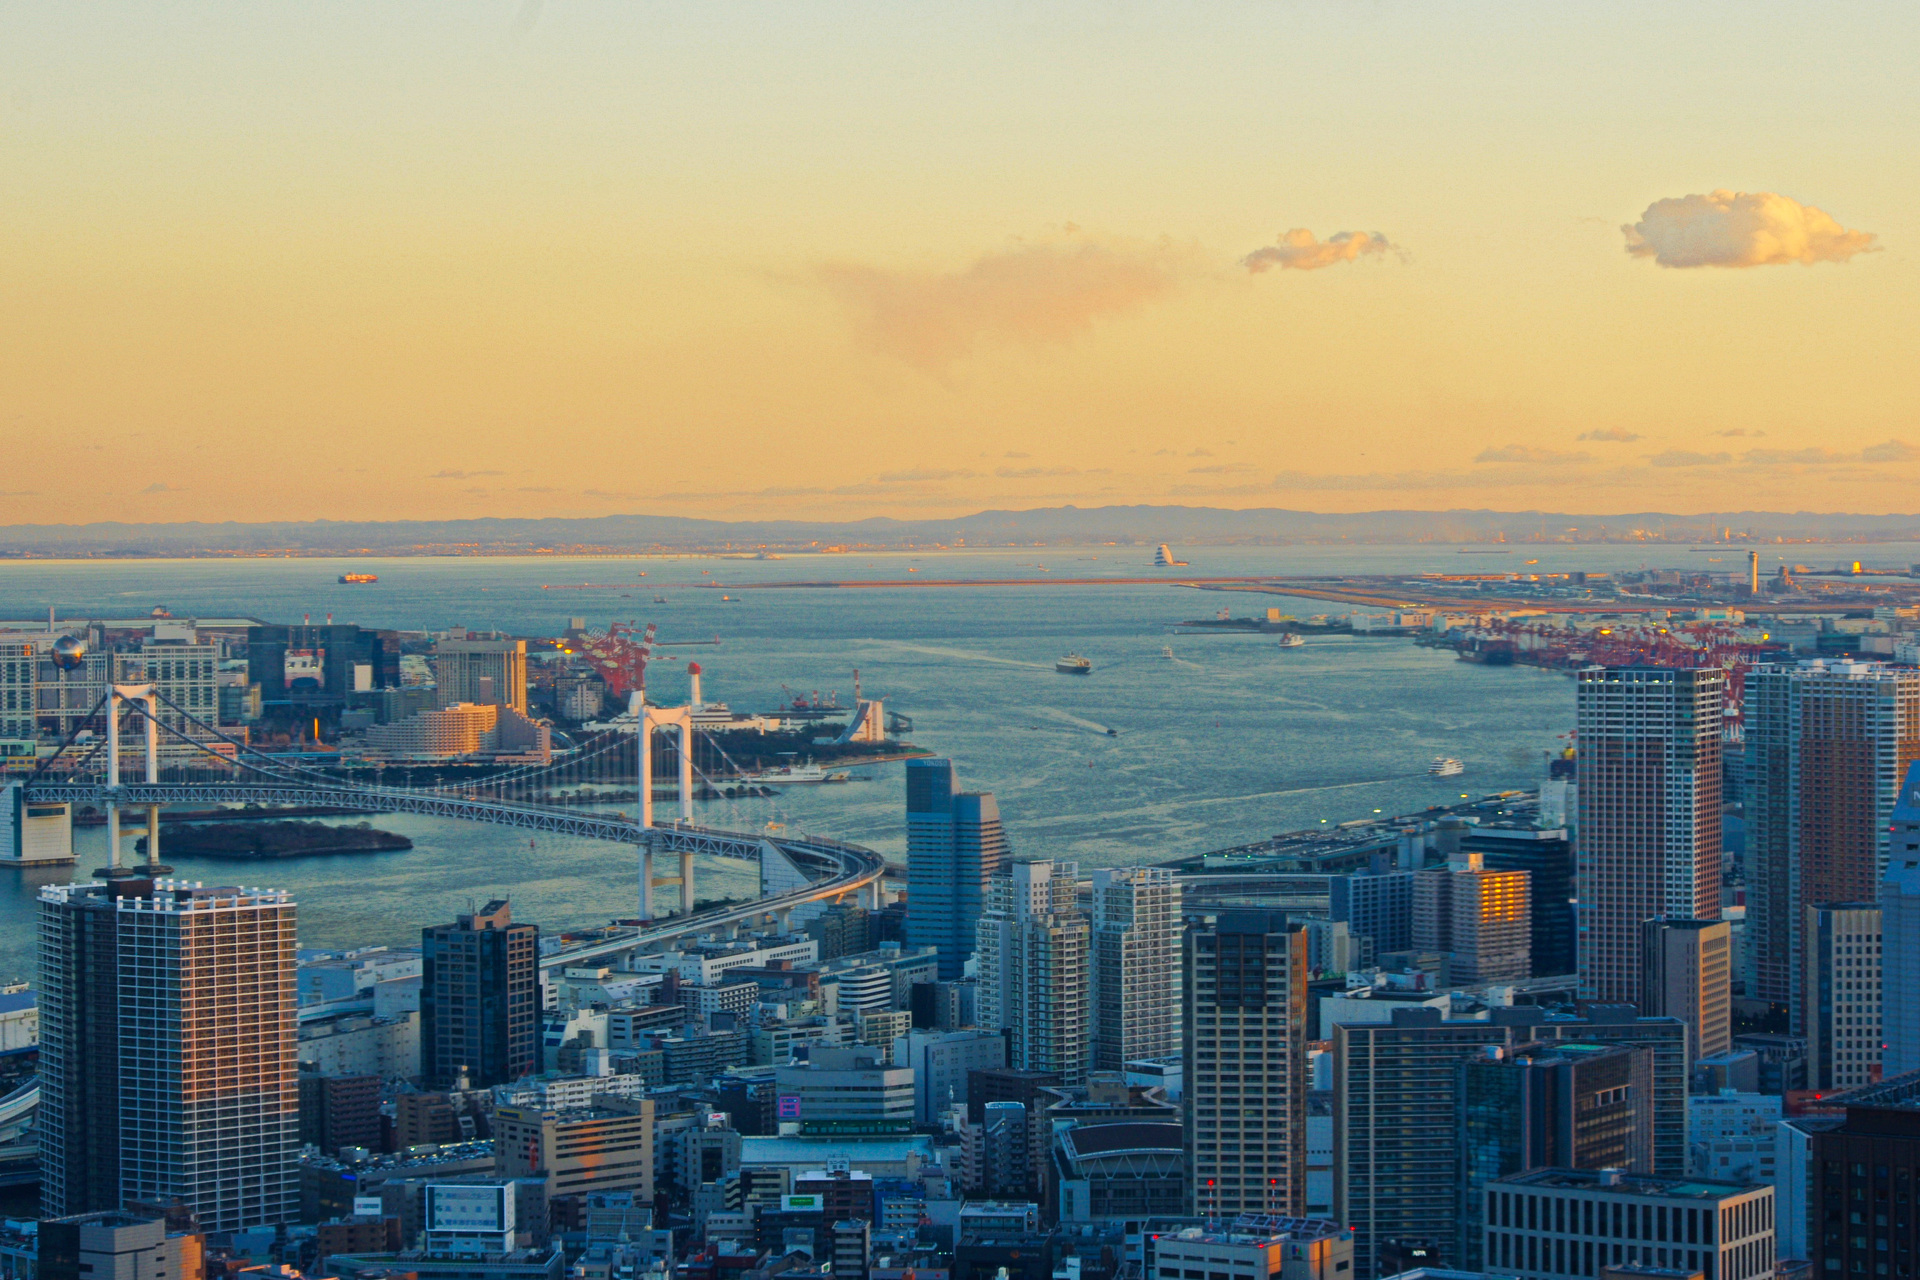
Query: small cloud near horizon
159,486
1741,229
463,475
1525,453
1688,458
1618,435
1298,250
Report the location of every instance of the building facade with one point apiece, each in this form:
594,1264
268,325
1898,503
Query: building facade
1032,948
1649,806
1540,1106
167,1064
955,846
1900,932
1842,986
1827,744
1134,972
1558,1224
480,999
1481,919
482,671
1244,993
1857,1222
1687,969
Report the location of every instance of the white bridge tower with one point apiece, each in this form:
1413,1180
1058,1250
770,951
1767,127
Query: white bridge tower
646,720
142,699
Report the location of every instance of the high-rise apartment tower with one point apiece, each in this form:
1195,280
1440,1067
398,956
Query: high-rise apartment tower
167,1062
1649,761
1032,947
1244,993
1134,978
1827,746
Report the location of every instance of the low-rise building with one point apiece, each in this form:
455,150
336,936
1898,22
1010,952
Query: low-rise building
1257,1247
1565,1223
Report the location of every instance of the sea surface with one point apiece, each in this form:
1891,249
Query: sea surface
1231,740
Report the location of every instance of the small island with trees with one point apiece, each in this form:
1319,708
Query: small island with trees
252,840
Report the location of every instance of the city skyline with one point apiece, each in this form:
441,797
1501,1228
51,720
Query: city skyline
856,261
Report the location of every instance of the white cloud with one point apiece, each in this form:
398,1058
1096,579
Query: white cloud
1299,251
1740,229
1619,435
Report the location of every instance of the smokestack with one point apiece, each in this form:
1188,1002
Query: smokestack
693,675
1753,573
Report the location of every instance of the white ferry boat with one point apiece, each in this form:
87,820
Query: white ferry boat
1445,767
796,773
1074,665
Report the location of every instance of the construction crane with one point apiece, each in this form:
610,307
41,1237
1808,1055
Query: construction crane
620,659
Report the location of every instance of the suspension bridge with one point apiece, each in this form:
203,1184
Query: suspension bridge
183,760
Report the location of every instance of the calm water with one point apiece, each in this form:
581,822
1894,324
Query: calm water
1231,741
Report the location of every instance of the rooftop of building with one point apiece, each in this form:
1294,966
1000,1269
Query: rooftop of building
817,1152
1614,1182
1115,1139
1263,1228
448,1153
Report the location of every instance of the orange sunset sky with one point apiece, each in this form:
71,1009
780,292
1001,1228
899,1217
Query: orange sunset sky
835,260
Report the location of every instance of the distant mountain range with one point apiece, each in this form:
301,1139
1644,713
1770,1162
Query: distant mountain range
1134,525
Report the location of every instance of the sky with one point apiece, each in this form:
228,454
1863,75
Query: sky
837,260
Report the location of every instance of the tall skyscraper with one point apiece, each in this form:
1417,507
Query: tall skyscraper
1900,932
1244,994
1135,969
1687,972
955,845
1649,803
1481,919
1828,744
1843,981
167,1060
1032,947
480,999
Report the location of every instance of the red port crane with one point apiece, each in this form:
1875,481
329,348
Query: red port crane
619,657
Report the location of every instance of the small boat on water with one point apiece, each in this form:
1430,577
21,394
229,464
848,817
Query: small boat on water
1445,767
1074,665
659,599
347,579
1292,640
1167,652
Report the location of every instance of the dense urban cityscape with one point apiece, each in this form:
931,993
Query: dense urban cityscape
844,640
1629,1020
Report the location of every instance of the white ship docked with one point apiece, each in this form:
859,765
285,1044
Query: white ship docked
1445,767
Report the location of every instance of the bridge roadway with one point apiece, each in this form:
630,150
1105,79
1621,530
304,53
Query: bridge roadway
859,868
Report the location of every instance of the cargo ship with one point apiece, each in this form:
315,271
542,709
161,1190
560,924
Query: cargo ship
354,579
